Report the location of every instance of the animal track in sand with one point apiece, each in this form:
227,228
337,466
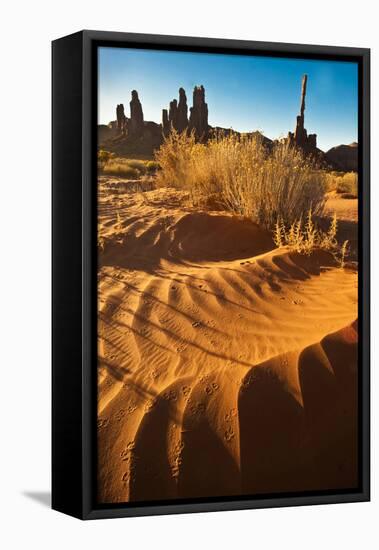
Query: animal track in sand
230,415
177,459
120,415
196,408
183,345
129,475
125,455
154,374
102,422
211,388
256,319
229,434
170,395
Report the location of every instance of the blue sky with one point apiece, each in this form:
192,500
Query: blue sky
243,92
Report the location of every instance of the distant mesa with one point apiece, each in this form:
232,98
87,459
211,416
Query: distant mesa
344,157
134,135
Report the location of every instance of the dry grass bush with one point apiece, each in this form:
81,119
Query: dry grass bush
304,237
121,169
247,178
110,165
343,182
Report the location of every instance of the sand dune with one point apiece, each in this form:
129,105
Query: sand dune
225,366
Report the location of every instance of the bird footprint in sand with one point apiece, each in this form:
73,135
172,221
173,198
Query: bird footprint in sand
102,422
231,414
211,388
197,408
229,434
125,455
120,414
170,395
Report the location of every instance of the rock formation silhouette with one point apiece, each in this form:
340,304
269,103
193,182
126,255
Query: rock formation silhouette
119,135
199,114
182,113
165,122
121,118
300,136
173,114
136,123
177,114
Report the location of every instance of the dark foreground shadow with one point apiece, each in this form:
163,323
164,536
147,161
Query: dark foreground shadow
42,497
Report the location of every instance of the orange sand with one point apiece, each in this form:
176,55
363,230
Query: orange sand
225,366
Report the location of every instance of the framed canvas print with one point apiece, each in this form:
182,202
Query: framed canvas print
210,274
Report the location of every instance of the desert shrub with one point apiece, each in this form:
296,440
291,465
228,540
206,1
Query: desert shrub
348,184
121,169
304,237
139,165
127,168
248,179
343,182
282,183
175,157
151,166
103,157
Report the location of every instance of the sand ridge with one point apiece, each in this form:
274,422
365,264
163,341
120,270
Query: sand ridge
212,345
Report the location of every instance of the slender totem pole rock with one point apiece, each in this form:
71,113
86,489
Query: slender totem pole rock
301,137
300,132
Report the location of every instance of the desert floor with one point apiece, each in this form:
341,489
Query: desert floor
226,366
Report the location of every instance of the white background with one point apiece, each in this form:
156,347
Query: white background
26,31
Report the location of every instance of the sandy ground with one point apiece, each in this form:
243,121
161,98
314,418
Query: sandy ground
225,366
346,209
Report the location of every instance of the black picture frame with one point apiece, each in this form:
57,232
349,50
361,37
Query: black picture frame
74,313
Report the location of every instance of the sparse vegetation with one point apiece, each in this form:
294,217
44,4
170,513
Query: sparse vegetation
103,157
152,166
122,170
305,236
346,183
244,176
109,164
343,252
